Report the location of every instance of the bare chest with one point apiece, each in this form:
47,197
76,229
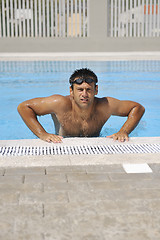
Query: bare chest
78,127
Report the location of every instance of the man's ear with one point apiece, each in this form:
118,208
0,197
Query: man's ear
96,89
71,91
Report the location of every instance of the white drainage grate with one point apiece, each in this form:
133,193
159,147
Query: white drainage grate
72,150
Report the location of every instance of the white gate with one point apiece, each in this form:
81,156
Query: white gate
70,18
134,18
43,18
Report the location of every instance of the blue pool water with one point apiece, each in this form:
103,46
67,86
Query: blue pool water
126,80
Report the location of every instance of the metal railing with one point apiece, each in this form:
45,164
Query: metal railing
43,18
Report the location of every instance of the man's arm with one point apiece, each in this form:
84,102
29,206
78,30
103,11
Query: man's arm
30,109
134,111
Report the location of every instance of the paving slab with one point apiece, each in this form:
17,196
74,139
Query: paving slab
25,171
68,186
87,177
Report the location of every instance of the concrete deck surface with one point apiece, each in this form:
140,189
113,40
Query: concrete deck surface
79,197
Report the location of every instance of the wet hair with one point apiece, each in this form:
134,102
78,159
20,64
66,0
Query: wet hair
83,73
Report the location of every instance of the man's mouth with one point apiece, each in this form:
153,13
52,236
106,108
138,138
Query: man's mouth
84,100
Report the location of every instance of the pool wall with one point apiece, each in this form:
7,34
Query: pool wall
95,44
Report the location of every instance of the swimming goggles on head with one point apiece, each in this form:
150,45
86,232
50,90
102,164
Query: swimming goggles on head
81,80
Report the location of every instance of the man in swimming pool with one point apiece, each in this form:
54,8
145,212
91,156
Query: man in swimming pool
80,114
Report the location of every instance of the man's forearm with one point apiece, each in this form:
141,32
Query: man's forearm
30,119
133,119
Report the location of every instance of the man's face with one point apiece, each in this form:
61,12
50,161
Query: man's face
83,94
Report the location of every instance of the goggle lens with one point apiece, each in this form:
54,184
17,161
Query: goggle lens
81,80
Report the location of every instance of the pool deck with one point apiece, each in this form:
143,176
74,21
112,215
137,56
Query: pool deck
79,197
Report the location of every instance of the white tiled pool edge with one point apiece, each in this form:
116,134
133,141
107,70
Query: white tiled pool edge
80,56
68,160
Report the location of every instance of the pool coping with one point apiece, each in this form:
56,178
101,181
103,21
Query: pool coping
78,160
80,56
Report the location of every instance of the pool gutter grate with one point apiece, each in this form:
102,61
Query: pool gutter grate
77,150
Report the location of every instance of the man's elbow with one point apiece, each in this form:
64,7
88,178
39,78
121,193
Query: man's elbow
21,107
141,109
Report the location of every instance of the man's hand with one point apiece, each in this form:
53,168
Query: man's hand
120,136
51,138
134,111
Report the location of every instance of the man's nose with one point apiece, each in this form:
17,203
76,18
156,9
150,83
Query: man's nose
85,93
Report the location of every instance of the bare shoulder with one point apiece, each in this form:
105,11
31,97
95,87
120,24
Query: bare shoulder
103,108
59,101
122,107
58,98
102,101
108,104
102,104
111,99
47,105
107,101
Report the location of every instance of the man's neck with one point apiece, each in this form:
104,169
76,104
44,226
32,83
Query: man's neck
84,113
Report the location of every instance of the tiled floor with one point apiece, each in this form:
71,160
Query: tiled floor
90,202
